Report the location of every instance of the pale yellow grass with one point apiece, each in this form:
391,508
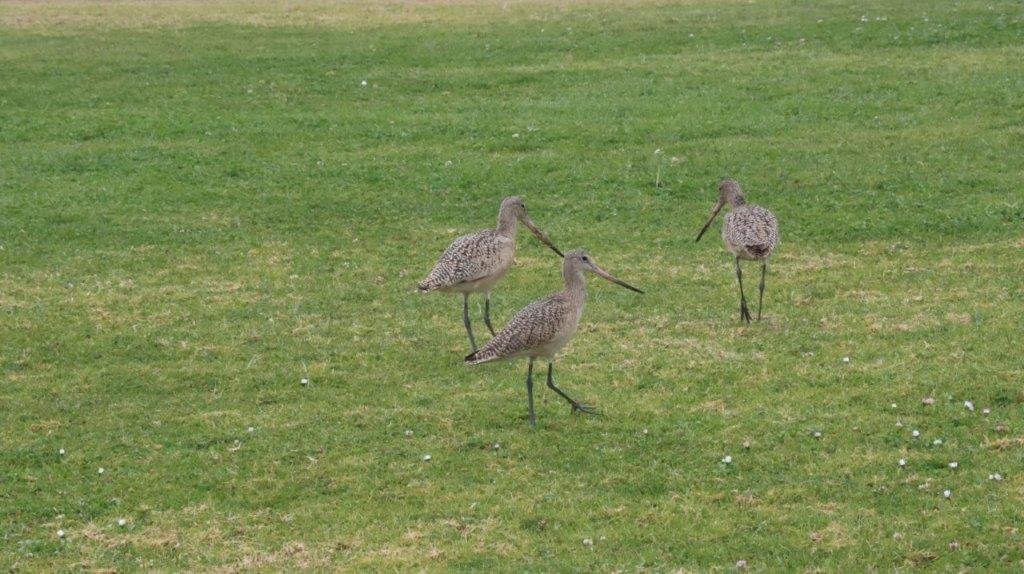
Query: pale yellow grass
39,14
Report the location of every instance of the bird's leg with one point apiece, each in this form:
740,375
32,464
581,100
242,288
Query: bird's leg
760,300
465,320
744,311
529,393
576,406
487,313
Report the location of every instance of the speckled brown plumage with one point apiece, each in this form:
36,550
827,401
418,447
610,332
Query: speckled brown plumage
470,258
750,232
544,327
538,330
475,263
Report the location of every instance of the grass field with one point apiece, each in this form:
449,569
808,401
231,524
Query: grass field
201,205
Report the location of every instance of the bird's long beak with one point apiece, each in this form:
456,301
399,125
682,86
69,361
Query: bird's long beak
613,279
718,207
543,239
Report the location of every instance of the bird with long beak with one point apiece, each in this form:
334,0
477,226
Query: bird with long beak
542,328
750,232
475,263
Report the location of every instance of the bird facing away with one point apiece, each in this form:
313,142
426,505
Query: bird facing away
475,263
750,232
543,327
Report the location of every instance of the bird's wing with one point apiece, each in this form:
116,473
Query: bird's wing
753,227
533,326
468,258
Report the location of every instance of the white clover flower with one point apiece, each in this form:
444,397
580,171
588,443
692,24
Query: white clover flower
61,452
915,433
947,493
363,83
903,462
846,359
969,405
727,459
954,464
408,432
426,458
100,471
60,533
121,522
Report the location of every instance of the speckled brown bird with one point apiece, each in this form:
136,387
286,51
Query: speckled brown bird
475,263
543,327
750,232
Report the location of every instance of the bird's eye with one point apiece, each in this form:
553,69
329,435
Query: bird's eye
585,258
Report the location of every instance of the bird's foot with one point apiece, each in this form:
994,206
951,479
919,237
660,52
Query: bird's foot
583,408
744,313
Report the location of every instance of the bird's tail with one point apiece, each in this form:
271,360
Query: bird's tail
484,354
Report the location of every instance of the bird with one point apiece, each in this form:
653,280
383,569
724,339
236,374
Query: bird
475,263
542,328
750,232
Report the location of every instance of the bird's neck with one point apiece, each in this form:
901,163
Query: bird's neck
507,224
575,285
738,201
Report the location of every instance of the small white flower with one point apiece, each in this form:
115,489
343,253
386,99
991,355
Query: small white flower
658,151
897,536
969,405
363,83
741,564
121,522
892,405
928,401
903,462
251,429
820,20
60,533
588,542
846,359
496,446
515,135
986,411
937,442
954,464
304,382
61,452
408,432
915,433
863,18
727,459
100,471
947,493
448,163
899,424
426,458
997,477
817,434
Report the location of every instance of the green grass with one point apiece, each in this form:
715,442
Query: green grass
200,207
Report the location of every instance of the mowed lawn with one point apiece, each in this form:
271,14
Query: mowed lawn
202,205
